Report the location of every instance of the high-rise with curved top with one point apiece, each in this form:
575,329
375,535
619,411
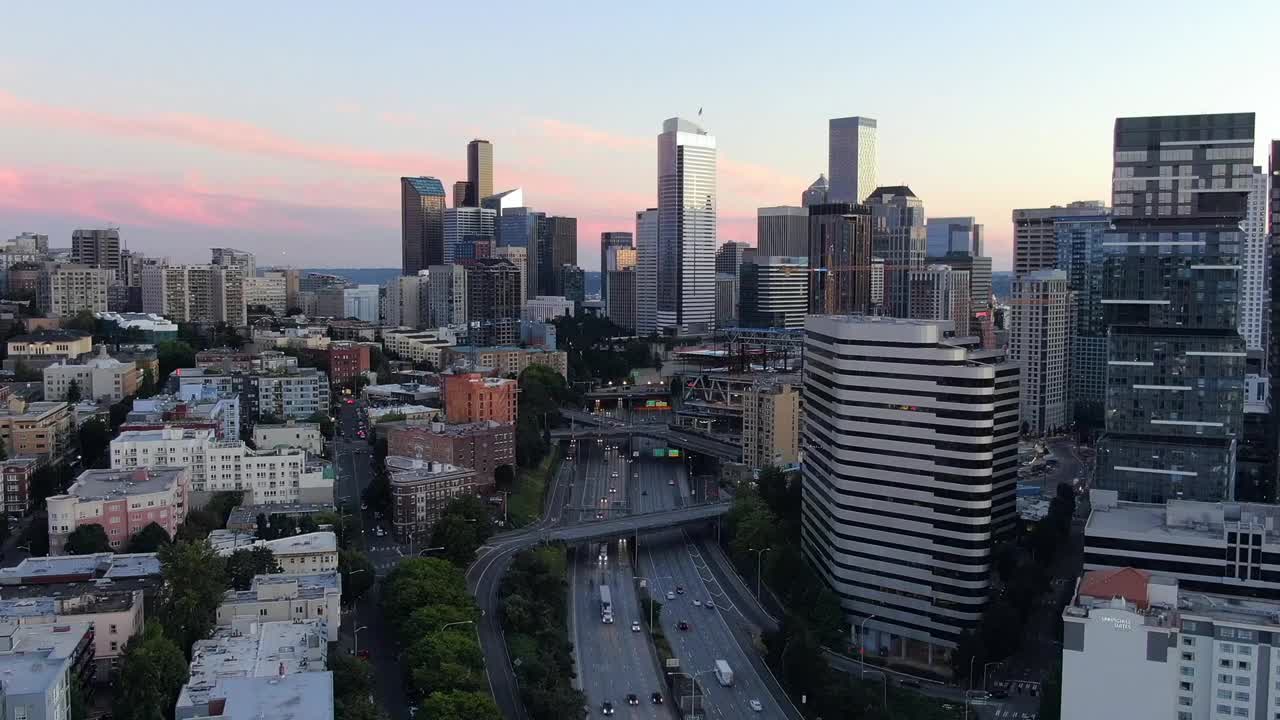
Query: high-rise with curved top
686,228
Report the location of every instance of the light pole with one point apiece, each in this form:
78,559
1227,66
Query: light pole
759,554
506,496
862,645
356,638
423,552
984,671
649,587
693,681
458,622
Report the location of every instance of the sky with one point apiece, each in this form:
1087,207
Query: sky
282,128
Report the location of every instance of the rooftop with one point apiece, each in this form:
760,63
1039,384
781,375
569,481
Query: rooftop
64,567
248,514
309,586
305,696
500,348
174,433
457,430
99,484
46,336
39,657
254,650
230,540
1179,520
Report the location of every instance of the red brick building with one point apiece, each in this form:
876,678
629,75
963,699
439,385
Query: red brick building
472,397
347,361
17,474
481,446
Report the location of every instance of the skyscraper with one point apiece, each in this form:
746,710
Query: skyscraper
446,302
1175,363
1080,255
461,223
953,234
729,257
839,256
1035,242
479,171
979,269
783,231
571,284
817,193
1253,290
461,191
620,304
231,257
899,527
609,243
493,305
774,292
1040,342
96,248
503,201
518,256
686,227
556,245
851,159
421,224
646,272
898,236
727,291
939,293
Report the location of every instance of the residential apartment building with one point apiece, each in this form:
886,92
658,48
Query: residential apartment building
418,345
42,664
200,407
269,291
243,260
65,290
97,248
46,347
347,361
504,360
482,446
446,296
305,554
405,300
909,477
1175,363
195,293
1254,323
40,429
774,292
286,598
15,474
289,435
518,256
122,502
472,397
493,302
1040,342
1035,234
97,379
937,292
420,490
771,425
782,231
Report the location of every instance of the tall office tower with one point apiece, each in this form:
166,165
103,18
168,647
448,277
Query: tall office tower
503,201
851,159
479,171
729,257
898,236
362,303
727,300
782,231
446,296
421,224
620,304
556,245
571,284
1273,333
900,528
686,227
646,272
96,248
231,257
839,257
979,269
1035,245
953,235
461,190
1253,289
774,292
816,194
518,256
404,300
1080,255
1040,342
877,285
938,292
617,252
463,222
195,293
1175,363
493,302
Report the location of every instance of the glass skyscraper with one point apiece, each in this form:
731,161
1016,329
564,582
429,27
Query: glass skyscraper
897,236
686,228
422,202
1171,295
851,159
1080,255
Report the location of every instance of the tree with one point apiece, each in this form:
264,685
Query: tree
95,440
84,321
152,672
1051,695
352,688
222,503
197,525
357,574
174,354
147,384
463,527
149,539
543,392
325,422
504,476
460,705
86,540
242,565
194,581
73,391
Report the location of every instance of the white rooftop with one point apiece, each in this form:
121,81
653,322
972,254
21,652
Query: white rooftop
1176,520
305,696
99,484
228,541
254,650
97,565
33,657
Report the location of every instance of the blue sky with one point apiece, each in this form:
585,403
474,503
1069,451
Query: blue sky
282,127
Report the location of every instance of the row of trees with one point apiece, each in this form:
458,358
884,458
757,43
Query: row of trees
425,600
543,391
534,617
599,350
89,539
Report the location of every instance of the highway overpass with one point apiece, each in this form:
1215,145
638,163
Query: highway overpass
597,426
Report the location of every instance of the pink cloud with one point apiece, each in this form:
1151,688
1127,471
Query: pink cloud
572,132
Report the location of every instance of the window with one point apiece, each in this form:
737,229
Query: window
1224,709
1242,696
1224,694
1224,663
1189,657
113,629
1186,687
1190,672
1243,665
1242,680
1226,647
114,646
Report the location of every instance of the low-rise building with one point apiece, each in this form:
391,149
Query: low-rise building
15,474
347,361
229,360
122,502
290,434
419,345
410,393
39,429
420,490
482,446
101,378
40,664
296,393
279,597
245,517
403,413
505,360
149,327
541,308
250,650
304,695
55,569
202,408
116,613
472,397
46,347
305,554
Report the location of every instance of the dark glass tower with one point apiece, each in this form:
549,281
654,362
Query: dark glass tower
422,202
479,171
839,259
1170,293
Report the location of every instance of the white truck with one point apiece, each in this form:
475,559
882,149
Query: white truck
724,673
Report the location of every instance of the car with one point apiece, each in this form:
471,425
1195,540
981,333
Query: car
909,683
350,401
997,694
632,699
979,695
697,602
613,489
656,698
682,625
364,506
710,605
613,474
680,589
599,516
606,708
671,595
671,482
635,626
755,705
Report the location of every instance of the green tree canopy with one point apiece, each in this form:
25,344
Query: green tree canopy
194,582
95,440
73,391
152,672
460,705
149,539
242,565
357,574
87,539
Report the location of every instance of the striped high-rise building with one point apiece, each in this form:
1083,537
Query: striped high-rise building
686,228
646,272
910,474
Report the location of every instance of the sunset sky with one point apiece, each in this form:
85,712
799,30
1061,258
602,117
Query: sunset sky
282,128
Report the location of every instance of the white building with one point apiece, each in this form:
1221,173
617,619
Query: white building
243,260
405,300
269,290
1040,342
686,278
909,476
285,598
1254,256
446,296
774,291
419,345
193,404
98,378
72,288
1137,646
544,308
195,293
938,292
851,159
463,222
646,272
283,475
38,664
289,435
150,324
306,554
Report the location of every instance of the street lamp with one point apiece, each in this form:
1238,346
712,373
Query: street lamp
458,622
693,681
984,671
759,553
506,496
356,637
650,588
862,645
423,552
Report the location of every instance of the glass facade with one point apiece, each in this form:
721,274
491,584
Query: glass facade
686,228
851,159
422,202
898,236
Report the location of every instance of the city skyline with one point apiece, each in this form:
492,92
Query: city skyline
211,152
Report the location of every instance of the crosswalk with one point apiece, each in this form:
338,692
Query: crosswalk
1003,713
